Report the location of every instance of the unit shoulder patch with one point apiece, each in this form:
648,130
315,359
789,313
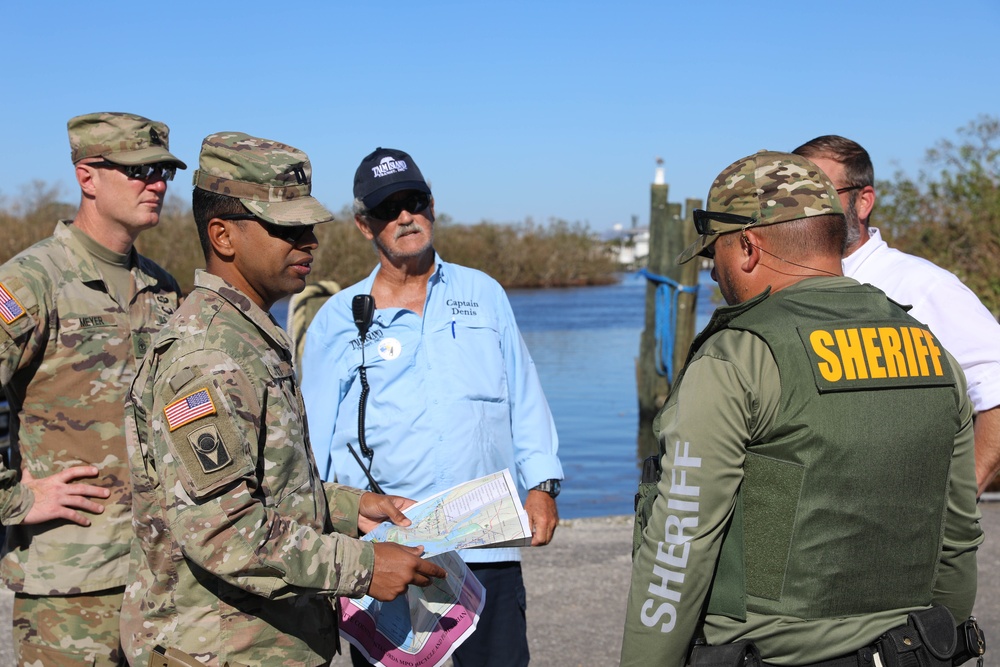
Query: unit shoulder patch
209,448
212,453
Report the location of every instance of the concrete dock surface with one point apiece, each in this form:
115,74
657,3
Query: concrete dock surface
577,588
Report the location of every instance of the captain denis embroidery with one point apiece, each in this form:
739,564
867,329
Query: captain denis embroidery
186,410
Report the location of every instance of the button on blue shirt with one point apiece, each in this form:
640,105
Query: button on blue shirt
454,394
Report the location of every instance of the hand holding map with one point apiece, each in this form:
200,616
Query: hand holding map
424,627
485,512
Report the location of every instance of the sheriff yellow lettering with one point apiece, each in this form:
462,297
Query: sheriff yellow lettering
862,353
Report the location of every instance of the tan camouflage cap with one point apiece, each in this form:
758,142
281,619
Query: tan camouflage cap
273,180
764,189
122,138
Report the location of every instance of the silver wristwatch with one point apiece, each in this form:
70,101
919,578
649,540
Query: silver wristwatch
549,486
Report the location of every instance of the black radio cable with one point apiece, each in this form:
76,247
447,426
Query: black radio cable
363,308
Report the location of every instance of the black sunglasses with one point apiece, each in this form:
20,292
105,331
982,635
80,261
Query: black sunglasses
158,171
703,221
289,234
389,210
848,188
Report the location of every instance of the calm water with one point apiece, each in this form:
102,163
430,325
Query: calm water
584,341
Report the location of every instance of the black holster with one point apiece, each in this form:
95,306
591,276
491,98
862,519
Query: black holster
931,639
738,654
971,642
644,499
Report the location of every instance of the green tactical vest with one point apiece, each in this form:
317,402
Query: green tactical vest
841,510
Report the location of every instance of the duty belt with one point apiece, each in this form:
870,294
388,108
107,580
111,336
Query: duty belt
865,657
929,639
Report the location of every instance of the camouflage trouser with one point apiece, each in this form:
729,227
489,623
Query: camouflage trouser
69,630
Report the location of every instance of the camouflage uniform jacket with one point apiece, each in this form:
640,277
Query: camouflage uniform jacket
241,547
68,353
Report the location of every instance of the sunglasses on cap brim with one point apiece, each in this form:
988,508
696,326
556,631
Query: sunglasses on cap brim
703,221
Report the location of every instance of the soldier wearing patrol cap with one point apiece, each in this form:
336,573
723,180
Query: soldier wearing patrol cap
242,549
76,314
792,524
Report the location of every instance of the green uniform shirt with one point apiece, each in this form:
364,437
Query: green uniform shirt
729,396
241,547
68,352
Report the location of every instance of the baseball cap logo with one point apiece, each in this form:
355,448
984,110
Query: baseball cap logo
388,165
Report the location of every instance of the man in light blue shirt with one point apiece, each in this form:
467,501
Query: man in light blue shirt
454,394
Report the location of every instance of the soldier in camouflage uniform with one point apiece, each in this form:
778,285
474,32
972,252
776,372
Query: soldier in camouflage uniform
77,311
241,547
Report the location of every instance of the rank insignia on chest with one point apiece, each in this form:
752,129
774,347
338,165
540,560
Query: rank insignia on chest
10,308
187,409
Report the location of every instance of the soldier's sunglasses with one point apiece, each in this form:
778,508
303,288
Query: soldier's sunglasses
389,210
288,233
703,221
158,171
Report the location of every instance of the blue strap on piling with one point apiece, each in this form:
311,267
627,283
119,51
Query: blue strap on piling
668,291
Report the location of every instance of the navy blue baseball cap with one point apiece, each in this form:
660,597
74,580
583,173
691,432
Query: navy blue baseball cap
386,171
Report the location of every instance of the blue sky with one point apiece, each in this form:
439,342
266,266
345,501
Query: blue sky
511,109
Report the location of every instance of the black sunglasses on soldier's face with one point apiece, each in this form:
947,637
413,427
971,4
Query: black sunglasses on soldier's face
389,210
703,221
146,172
289,234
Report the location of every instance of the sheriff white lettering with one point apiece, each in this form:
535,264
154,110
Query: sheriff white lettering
672,552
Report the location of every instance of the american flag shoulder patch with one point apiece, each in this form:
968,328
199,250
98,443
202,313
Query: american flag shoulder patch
191,407
10,308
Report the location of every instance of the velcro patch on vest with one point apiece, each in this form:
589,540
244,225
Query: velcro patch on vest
189,408
855,355
211,450
11,309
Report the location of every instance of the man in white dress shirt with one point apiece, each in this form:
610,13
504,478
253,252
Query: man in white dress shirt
939,299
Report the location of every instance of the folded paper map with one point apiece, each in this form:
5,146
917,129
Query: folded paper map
485,512
424,627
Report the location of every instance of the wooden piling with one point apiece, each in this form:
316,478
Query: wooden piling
669,234
687,303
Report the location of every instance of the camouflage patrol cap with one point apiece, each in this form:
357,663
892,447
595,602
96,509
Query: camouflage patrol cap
765,188
122,138
271,179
